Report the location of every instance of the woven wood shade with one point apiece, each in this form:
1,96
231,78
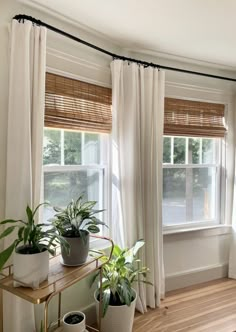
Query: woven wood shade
76,105
192,118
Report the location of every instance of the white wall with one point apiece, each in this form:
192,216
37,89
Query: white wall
196,256
76,60
189,257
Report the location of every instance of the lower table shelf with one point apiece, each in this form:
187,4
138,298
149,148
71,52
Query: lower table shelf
60,278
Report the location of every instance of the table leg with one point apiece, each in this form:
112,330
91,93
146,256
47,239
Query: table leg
1,310
59,310
100,302
46,316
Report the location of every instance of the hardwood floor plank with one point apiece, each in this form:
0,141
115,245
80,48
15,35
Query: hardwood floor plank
209,307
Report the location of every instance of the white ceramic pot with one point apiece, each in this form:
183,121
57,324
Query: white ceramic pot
80,327
117,318
30,270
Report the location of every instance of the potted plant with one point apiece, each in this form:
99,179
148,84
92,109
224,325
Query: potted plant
118,296
31,249
74,321
74,223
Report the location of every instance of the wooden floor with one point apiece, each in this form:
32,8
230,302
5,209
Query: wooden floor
209,307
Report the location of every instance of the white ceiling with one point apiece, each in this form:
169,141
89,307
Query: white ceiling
197,29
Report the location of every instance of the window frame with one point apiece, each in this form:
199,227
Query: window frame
220,185
104,166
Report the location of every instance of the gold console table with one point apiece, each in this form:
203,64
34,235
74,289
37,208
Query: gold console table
60,278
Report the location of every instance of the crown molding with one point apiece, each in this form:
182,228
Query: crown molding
64,18
77,60
181,59
137,52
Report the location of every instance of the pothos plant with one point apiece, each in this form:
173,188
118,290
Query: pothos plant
31,238
77,217
119,274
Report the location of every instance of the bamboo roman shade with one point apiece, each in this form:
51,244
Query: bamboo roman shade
76,105
193,118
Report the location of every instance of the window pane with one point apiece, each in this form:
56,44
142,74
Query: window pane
61,187
188,195
91,148
194,151
179,150
72,148
202,196
208,150
174,208
167,150
52,147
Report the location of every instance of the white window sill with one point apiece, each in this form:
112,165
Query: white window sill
99,244
205,230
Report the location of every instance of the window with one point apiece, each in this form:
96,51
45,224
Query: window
192,162
76,143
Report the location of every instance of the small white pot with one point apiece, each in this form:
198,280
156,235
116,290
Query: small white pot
117,318
80,327
30,270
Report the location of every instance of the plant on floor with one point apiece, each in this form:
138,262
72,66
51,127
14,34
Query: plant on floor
32,237
74,223
119,274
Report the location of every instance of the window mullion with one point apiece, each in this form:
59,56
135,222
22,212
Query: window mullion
82,147
200,152
172,150
62,148
186,150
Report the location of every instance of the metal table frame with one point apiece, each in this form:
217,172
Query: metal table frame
49,289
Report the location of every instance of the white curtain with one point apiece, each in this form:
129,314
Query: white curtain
230,202
24,144
138,108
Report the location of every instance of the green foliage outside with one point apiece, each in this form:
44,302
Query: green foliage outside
174,184
61,187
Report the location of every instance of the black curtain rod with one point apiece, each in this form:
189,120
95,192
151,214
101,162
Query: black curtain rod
22,17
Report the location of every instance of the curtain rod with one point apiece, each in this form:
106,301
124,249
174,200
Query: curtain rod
22,17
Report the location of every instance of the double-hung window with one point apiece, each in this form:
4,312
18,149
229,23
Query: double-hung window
76,142
192,163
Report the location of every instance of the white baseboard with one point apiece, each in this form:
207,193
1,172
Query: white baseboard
195,276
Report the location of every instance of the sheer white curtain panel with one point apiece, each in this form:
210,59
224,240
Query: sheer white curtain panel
24,144
138,108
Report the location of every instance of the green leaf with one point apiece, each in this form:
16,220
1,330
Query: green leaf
139,244
57,209
125,291
26,234
105,301
88,205
7,231
20,232
5,255
8,221
93,229
36,209
29,214
116,251
51,251
93,279
133,251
